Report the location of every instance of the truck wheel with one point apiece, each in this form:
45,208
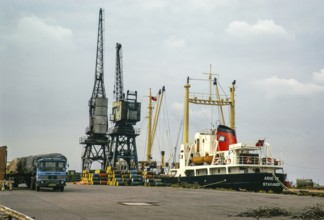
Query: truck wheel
62,188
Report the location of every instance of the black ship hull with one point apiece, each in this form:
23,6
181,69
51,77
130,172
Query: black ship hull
241,181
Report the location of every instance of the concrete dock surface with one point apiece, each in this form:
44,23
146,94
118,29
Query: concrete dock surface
138,202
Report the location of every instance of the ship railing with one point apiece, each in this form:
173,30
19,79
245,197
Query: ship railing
220,161
248,159
255,160
271,161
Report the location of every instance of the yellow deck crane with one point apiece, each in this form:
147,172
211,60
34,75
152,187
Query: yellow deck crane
151,128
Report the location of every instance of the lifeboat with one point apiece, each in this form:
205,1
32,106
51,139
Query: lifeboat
198,160
208,159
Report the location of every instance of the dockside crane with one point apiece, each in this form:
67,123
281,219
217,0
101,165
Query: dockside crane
96,142
126,112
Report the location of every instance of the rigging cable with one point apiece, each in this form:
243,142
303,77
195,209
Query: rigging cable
141,128
168,133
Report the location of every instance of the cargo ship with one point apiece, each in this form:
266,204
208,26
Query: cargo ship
216,159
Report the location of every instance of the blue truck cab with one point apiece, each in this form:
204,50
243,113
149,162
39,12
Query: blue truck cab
50,172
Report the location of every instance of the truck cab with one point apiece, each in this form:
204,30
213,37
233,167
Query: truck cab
50,172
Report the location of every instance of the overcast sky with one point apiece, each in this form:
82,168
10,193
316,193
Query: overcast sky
273,49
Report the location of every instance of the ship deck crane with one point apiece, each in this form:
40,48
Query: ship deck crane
151,128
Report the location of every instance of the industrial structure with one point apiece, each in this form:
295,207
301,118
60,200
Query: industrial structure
97,142
210,101
151,127
126,112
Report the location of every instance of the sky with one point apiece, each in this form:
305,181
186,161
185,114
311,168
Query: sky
273,49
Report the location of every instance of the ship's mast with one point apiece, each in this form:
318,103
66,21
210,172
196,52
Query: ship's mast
186,114
149,128
201,101
157,112
232,105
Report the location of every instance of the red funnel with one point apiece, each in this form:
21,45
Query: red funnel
225,137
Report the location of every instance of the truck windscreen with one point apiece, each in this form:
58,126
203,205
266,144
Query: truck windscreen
51,166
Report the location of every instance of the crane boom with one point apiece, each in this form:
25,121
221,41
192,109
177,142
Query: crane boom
99,87
157,113
118,87
151,128
176,145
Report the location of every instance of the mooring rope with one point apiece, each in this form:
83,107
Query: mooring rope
283,185
213,183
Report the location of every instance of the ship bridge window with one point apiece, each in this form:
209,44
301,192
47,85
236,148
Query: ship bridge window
244,170
189,173
201,172
279,171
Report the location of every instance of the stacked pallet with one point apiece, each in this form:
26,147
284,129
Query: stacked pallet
110,175
124,177
121,178
152,179
136,177
94,177
113,177
85,177
73,176
99,177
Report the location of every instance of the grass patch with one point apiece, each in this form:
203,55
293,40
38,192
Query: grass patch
186,185
312,212
264,212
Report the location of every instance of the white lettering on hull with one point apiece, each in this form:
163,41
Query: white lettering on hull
271,184
268,178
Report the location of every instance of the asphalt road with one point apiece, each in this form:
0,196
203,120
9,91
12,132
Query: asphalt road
138,202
